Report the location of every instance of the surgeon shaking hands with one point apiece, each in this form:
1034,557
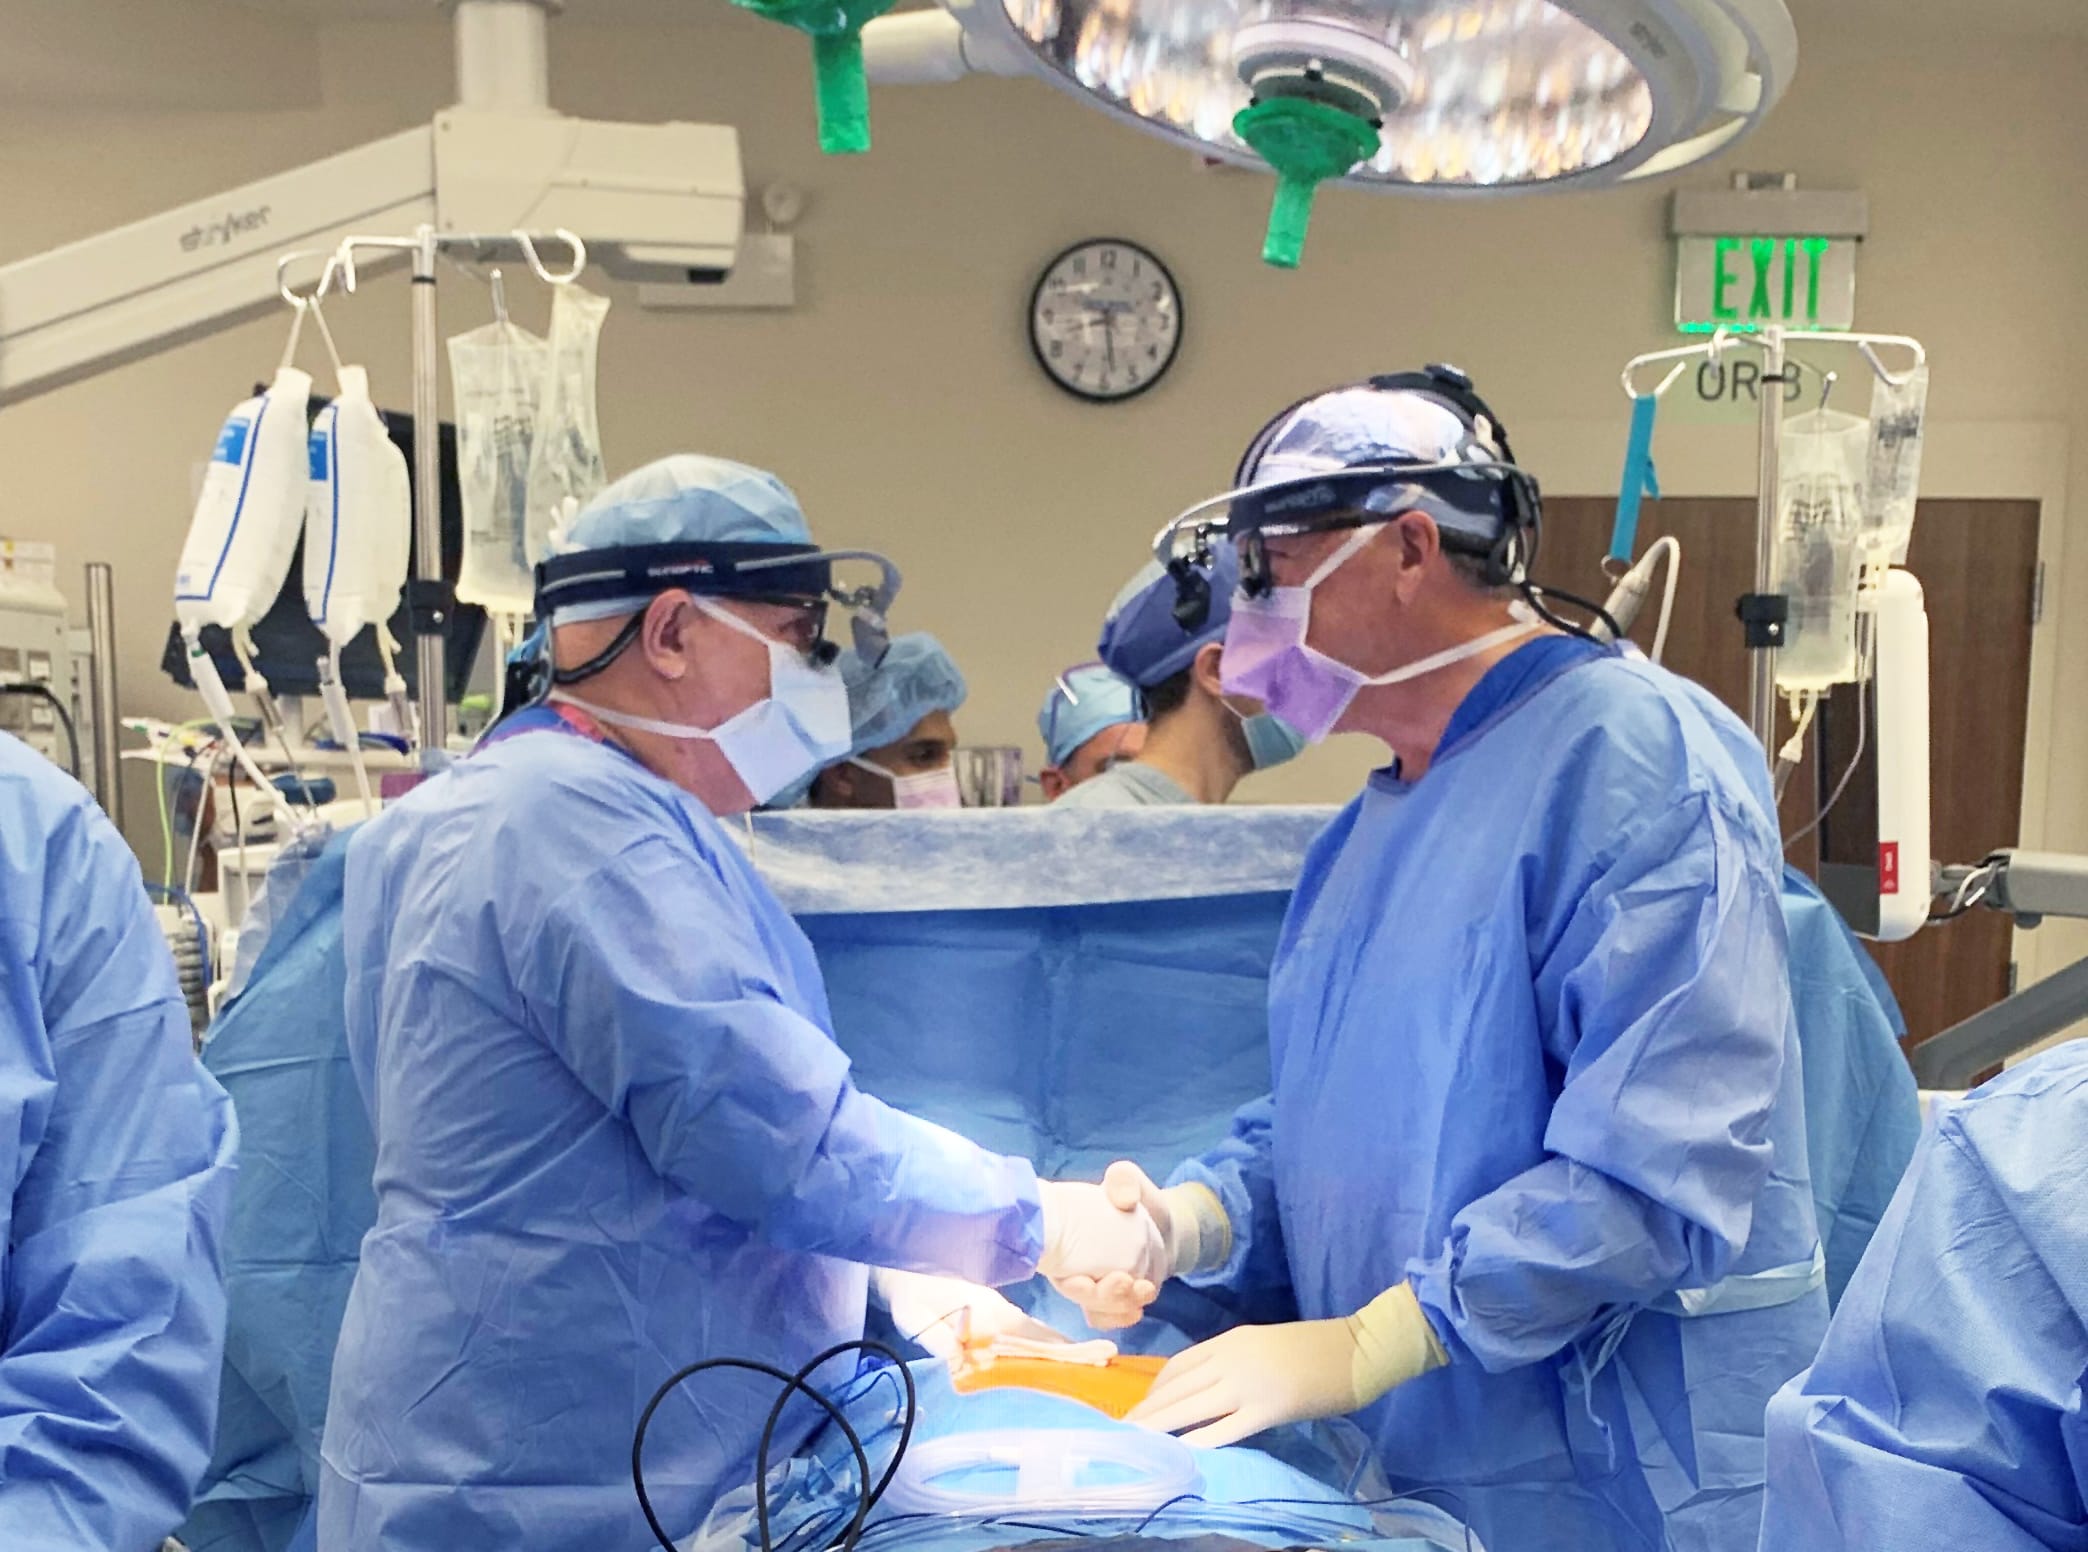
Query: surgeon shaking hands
614,1133
1533,1161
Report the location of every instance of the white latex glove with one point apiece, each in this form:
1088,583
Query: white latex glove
945,1314
1257,1377
1194,1232
1087,1237
1190,1217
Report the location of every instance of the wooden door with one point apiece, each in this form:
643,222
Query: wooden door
1977,562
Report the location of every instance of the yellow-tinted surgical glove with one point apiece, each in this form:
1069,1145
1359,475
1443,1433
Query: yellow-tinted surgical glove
1256,1377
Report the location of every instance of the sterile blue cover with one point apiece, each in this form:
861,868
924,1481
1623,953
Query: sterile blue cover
1119,1012
1315,1485
1946,1408
299,1211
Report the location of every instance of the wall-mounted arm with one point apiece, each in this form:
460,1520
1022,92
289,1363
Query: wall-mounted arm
943,43
2030,885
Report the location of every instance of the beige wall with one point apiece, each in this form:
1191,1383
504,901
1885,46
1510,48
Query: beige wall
900,399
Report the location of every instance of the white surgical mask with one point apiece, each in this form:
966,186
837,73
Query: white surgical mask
802,725
924,789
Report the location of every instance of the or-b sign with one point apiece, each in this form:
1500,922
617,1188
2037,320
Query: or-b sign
1726,392
1736,382
1744,283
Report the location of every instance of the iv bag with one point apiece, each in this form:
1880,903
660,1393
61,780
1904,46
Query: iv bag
249,512
1819,546
359,519
497,375
565,460
1898,416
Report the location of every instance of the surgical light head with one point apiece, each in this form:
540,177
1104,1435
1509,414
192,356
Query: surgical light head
715,528
1370,453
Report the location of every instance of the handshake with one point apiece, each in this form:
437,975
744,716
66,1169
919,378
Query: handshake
1109,1247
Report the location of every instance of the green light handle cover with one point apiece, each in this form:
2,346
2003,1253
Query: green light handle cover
1305,143
843,92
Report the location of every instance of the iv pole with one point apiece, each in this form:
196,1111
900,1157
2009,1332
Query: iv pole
430,599
1765,611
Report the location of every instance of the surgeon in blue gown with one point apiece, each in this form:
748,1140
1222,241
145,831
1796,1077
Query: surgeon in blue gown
1534,1159
116,1151
1946,1410
614,1135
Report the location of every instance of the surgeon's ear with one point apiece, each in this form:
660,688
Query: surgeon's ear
1206,667
1053,781
1416,543
667,635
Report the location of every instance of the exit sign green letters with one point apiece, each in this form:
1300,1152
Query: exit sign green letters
1745,283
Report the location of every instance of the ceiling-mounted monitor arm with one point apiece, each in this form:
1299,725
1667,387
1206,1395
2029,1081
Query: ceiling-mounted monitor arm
655,202
200,268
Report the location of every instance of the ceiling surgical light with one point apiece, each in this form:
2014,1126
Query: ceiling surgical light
1453,97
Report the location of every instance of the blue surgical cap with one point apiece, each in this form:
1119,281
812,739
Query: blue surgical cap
1350,428
1144,641
885,703
688,498
1101,700
915,679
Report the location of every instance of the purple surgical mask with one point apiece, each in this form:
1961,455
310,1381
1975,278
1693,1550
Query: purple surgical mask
1267,659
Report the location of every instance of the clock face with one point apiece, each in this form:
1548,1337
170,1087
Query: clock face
1106,320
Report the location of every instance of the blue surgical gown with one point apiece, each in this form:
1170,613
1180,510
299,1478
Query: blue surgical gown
1862,1111
614,1137
1945,1412
117,1153
299,1211
1533,1049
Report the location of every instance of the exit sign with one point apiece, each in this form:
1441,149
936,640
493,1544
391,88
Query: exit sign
1744,283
